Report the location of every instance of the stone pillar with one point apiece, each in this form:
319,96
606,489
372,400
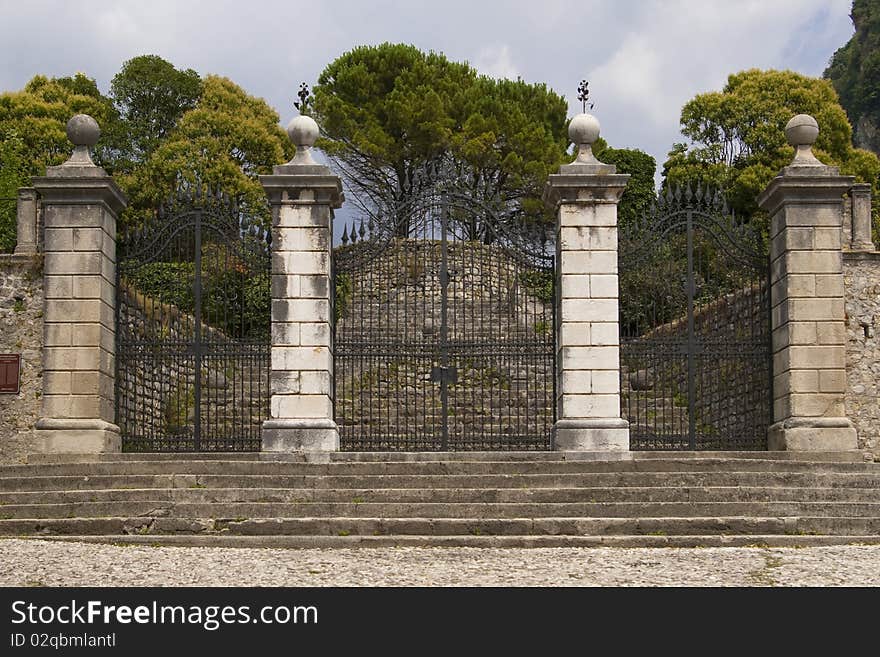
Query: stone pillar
26,228
586,193
805,204
861,217
80,206
303,195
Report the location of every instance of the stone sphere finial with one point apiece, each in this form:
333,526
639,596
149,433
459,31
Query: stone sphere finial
303,132
801,132
584,131
83,132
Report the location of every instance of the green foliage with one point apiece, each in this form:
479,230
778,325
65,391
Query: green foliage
13,174
392,112
227,141
151,96
739,141
639,193
854,69
178,407
343,292
538,283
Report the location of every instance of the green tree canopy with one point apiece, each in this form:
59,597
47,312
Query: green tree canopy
226,141
151,95
396,119
33,134
738,140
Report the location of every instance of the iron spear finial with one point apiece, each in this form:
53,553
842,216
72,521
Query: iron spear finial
305,98
584,95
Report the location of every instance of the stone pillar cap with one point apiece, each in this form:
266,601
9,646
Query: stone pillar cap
801,132
583,130
303,132
83,132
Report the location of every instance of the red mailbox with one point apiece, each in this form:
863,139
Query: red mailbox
10,373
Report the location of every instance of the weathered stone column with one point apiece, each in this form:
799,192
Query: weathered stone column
80,206
26,224
805,204
586,193
303,195
861,217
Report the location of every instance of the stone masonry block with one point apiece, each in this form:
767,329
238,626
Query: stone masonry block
829,286
311,238
57,335
285,333
606,382
603,286
817,404
589,310
316,383
88,239
832,381
592,406
300,262
65,262
590,358
73,310
58,287
301,310
58,239
818,357
826,239
285,286
577,382
301,358
813,262
56,382
294,216
301,406
577,214
316,287
574,334
575,286
284,382
603,238
314,333
828,333
574,238
587,262
88,287
605,333
815,309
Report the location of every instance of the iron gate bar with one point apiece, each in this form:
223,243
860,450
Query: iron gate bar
429,307
717,321
193,349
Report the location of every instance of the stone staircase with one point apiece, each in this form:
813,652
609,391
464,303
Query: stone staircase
446,499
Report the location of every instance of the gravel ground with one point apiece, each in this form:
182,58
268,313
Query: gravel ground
48,563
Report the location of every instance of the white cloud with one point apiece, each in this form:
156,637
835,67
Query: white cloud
496,62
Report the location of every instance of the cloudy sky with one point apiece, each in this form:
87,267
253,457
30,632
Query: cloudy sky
644,58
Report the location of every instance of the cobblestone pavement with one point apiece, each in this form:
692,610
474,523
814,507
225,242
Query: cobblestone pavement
47,563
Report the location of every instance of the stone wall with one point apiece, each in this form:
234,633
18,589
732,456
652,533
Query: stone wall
21,332
862,284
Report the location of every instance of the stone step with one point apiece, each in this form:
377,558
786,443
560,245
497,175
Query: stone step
375,482
482,541
394,457
449,495
791,526
426,468
495,510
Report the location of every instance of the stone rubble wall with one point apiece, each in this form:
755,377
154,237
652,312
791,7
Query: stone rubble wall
861,273
21,332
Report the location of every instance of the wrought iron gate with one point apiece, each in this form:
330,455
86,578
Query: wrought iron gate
695,327
444,334
192,328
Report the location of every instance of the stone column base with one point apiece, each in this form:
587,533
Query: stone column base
611,435
62,436
813,435
300,436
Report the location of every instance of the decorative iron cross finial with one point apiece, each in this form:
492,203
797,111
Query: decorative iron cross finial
584,95
305,98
